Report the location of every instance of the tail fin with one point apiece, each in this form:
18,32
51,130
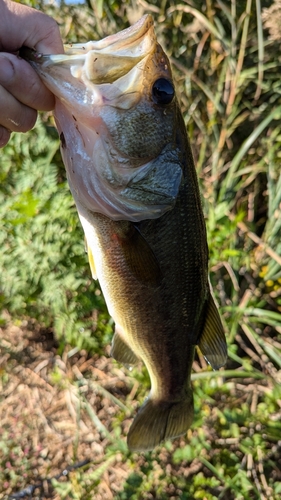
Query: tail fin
157,421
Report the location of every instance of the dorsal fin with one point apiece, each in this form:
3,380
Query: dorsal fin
212,342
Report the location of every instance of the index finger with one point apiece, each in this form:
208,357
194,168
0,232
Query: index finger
23,25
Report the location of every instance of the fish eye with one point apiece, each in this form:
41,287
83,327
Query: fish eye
163,91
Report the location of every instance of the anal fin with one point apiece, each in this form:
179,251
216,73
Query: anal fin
120,350
212,342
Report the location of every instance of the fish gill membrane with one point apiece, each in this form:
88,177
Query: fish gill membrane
132,175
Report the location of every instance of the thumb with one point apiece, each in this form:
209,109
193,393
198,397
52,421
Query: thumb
22,25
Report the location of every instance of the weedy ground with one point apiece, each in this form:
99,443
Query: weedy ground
65,406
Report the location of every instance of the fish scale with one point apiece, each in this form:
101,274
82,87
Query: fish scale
132,175
162,325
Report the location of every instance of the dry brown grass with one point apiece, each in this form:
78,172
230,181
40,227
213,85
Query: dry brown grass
42,410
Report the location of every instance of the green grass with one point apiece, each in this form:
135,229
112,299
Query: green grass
227,71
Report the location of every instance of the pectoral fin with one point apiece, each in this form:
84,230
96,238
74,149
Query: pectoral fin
140,258
212,342
91,260
120,350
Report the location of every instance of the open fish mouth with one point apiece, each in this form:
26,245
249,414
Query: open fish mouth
103,61
117,139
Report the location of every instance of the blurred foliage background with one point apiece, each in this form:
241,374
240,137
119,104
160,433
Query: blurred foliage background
226,62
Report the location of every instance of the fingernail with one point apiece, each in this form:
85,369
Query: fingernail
7,70
4,136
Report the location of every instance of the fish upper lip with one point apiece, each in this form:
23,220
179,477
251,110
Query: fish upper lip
127,40
123,50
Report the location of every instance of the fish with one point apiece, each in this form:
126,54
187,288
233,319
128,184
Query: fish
131,172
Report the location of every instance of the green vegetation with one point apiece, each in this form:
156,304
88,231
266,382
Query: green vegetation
226,60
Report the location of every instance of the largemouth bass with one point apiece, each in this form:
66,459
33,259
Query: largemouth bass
131,172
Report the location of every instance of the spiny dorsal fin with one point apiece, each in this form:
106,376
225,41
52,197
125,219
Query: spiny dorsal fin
212,342
140,258
120,350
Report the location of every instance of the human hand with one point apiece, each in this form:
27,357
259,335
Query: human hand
21,91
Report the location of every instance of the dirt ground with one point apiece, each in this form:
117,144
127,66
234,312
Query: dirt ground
44,421
61,411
